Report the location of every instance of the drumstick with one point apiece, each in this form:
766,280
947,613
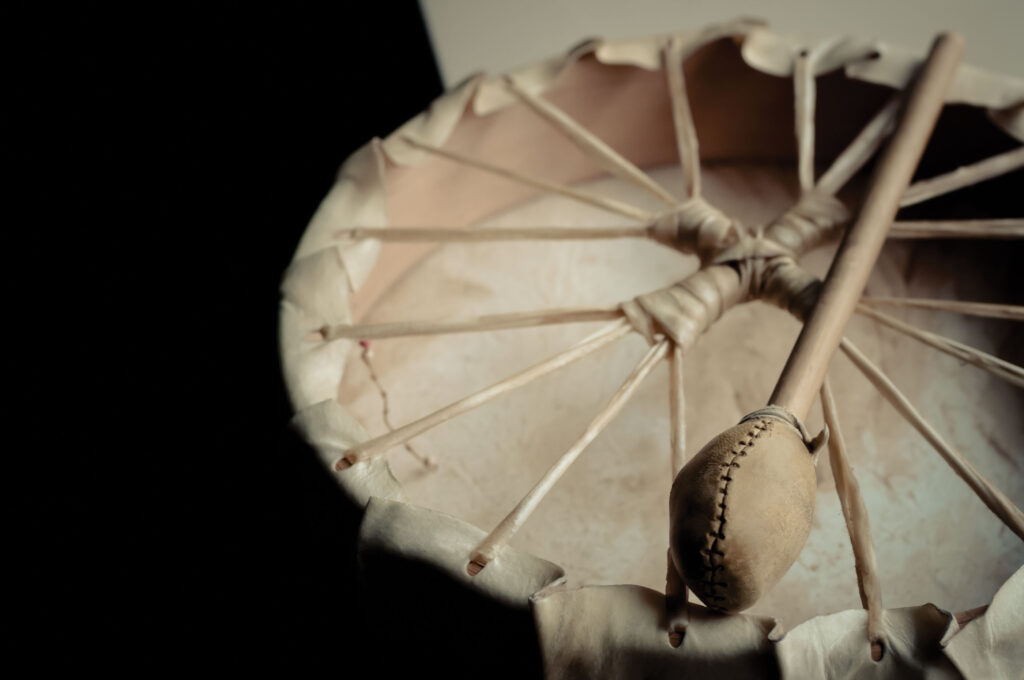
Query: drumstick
805,369
741,509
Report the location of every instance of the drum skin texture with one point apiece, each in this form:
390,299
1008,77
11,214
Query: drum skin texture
741,511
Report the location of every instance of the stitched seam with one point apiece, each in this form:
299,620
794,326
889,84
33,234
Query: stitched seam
713,553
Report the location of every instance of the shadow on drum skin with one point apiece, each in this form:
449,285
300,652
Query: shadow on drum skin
735,668
377,612
424,619
319,605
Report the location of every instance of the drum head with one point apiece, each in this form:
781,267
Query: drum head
606,521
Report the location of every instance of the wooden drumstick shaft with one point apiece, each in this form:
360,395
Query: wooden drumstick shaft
805,369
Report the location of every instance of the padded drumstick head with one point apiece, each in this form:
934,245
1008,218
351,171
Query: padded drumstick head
740,512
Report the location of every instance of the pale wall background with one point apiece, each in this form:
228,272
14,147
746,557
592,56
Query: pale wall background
496,35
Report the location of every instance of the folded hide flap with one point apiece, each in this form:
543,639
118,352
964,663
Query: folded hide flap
622,632
318,284
836,646
315,293
394,531
358,198
992,645
413,561
332,430
774,53
313,369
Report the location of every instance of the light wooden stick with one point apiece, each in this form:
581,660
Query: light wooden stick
804,95
490,322
979,229
862,148
603,202
489,547
992,497
413,234
682,116
994,166
676,409
603,155
375,447
857,524
1011,373
804,371
985,309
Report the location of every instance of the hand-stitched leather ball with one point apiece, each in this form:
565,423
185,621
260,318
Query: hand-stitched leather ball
740,512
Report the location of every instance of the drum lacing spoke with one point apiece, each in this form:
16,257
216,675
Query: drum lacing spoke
965,176
490,234
489,322
603,202
817,214
489,548
593,146
973,229
992,497
676,409
1004,370
677,595
855,514
682,117
984,309
862,148
379,445
804,95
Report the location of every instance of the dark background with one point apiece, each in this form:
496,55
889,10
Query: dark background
167,161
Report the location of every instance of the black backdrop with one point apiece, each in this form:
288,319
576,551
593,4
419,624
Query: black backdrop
167,161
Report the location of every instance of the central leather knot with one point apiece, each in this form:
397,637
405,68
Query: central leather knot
684,310
808,223
696,226
737,265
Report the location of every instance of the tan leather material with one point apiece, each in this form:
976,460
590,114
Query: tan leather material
611,632
696,226
685,310
809,223
754,480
